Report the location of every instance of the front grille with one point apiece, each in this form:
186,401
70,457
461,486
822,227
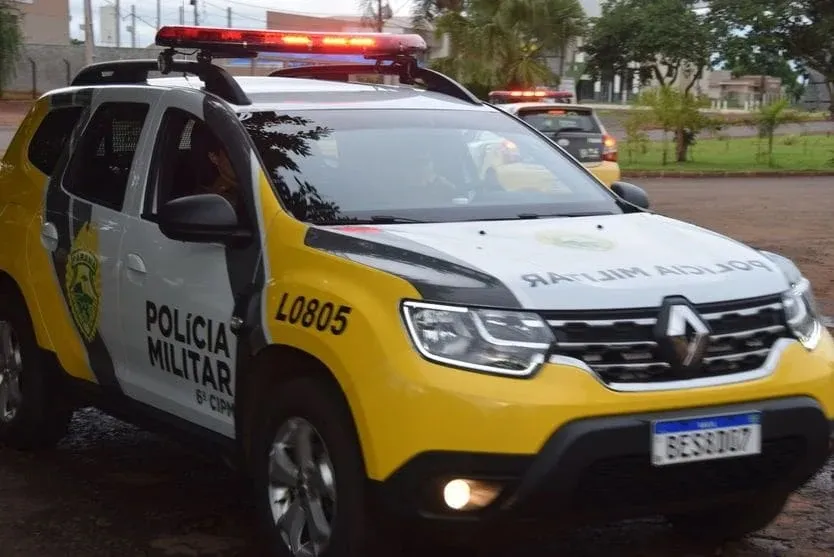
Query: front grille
633,482
620,346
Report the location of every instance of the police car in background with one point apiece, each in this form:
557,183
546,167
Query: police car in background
578,130
313,276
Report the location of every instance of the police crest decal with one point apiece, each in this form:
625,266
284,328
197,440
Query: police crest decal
83,282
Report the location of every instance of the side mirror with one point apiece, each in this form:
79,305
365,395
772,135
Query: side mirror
631,193
204,218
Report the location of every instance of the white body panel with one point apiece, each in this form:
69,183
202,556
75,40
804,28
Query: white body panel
188,282
606,262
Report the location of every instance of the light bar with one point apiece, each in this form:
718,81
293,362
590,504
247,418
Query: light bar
221,39
535,93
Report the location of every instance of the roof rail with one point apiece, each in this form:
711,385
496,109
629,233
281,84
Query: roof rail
125,72
405,68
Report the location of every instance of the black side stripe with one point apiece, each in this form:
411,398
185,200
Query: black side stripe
244,264
435,278
69,217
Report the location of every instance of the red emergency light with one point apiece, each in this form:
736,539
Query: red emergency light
291,42
532,93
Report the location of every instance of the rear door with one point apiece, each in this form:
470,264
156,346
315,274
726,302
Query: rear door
576,130
84,221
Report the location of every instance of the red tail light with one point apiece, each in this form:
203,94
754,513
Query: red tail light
609,148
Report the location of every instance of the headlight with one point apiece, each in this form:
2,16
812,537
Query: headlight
802,315
492,341
801,310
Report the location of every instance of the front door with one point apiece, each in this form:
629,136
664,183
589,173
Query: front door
177,298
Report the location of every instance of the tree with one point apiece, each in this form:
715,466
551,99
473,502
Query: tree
770,117
375,13
798,30
426,12
504,43
11,40
667,39
678,111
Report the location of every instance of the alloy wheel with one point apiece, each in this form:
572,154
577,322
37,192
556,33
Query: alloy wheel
302,488
11,368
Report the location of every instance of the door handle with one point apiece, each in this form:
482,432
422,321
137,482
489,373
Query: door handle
49,236
136,264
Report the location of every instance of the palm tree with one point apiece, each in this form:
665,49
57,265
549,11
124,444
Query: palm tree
504,42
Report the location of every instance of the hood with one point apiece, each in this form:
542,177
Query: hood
604,262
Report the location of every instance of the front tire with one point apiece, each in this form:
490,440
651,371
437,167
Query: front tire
729,522
32,416
308,471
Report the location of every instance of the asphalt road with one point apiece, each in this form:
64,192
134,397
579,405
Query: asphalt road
112,489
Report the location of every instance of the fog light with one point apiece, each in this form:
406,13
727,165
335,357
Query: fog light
462,494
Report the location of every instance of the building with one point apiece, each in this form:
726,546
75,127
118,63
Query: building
44,22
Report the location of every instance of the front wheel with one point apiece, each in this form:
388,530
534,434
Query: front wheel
730,522
308,472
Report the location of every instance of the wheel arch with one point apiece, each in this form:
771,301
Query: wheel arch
268,368
10,286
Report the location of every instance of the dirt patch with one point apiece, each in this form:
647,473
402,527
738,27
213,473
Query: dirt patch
791,216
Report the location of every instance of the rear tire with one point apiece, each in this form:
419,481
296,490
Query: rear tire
307,464
32,415
729,522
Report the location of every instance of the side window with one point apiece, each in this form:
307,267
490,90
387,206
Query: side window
190,159
49,140
100,166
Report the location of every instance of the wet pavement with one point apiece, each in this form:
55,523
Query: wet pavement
111,489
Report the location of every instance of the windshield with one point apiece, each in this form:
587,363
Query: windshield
356,165
554,120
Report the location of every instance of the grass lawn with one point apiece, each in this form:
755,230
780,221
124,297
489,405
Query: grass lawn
794,152
616,119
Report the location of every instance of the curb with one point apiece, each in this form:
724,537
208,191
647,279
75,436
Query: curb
709,174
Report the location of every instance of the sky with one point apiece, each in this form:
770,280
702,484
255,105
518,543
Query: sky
245,13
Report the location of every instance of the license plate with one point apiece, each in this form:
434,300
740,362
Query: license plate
706,438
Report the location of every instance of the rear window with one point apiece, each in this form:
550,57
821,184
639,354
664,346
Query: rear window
49,140
549,120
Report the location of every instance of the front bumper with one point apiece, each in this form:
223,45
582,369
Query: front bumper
599,469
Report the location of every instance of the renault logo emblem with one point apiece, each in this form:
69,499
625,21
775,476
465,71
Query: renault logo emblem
682,335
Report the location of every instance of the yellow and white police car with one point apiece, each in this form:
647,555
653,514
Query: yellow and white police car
578,130
313,276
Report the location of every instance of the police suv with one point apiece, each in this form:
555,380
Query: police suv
323,280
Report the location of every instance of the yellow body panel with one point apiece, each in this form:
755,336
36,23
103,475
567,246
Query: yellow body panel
606,172
404,405
26,260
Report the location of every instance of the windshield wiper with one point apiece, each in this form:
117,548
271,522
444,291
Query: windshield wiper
539,216
392,219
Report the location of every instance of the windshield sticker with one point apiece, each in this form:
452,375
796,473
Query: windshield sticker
575,241
625,273
195,348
